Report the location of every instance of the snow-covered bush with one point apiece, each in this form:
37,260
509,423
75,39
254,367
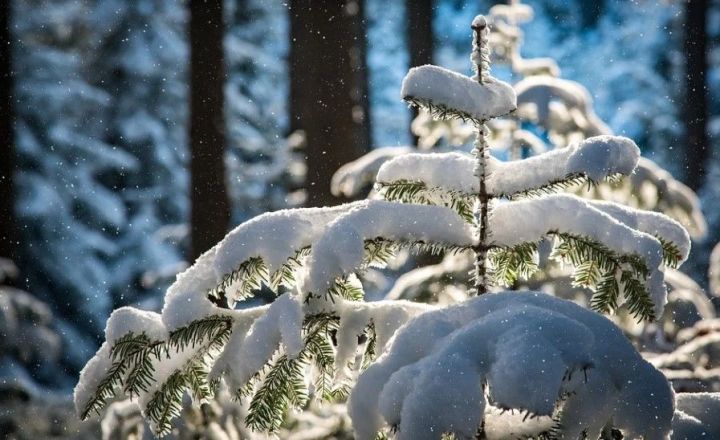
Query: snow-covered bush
526,351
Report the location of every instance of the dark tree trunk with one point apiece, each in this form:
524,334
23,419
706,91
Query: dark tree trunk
328,88
8,239
210,207
420,37
591,12
695,99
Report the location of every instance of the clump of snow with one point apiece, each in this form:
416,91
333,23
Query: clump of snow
444,88
274,237
501,425
186,299
340,250
385,316
479,22
528,348
596,157
600,156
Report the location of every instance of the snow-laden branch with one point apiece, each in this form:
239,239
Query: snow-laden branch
595,159
537,94
668,195
341,249
447,93
535,353
141,359
524,221
274,238
352,177
653,223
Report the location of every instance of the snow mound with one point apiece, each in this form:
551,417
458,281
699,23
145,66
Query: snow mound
461,94
528,349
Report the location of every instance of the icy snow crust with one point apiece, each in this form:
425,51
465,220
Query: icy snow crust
458,92
529,348
597,157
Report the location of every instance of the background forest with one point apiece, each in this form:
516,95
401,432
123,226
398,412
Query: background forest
134,135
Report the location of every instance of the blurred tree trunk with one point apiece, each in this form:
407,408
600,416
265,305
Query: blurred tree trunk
695,100
328,88
420,38
590,12
8,237
210,207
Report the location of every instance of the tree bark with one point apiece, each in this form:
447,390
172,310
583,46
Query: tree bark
420,39
328,88
8,238
210,206
695,99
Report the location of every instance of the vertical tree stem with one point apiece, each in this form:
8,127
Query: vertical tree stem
481,60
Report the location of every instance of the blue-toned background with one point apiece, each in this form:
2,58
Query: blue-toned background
101,133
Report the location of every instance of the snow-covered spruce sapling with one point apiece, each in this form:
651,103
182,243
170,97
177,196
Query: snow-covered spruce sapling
306,342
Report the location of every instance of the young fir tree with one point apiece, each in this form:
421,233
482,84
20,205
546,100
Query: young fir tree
447,370
563,111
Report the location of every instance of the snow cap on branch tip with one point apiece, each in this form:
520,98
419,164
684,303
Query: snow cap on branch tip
449,93
599,154
479,22
126,320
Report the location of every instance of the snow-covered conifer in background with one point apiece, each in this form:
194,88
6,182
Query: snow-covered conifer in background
530,352
102,148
